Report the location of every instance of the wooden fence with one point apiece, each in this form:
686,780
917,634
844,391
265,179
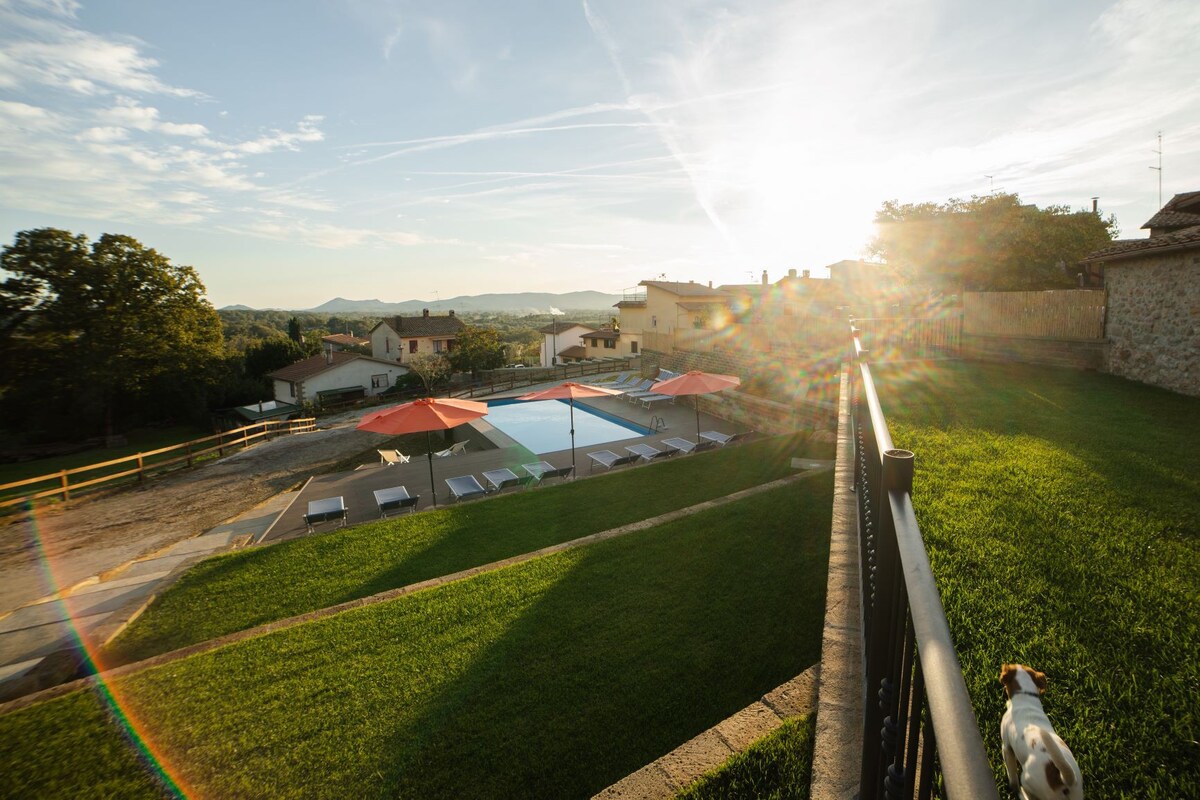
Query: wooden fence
1056,314
145,464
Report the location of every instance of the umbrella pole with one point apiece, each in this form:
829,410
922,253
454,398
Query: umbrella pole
573,438
429,455
697,400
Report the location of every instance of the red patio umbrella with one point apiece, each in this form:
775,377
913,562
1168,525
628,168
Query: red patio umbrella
696,382
569,391
427,414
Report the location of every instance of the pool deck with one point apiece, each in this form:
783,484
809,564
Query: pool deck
487,449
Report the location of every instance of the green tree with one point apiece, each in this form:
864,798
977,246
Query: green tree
294,332
476,349
269,355
992,243
429,368
103,326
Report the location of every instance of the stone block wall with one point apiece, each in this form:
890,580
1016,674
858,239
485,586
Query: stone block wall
1072,353
1154,320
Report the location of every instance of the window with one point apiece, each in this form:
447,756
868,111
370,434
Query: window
595,342
412,345
387,344
633,347
379,381
610,344
291,389
437,345
653,322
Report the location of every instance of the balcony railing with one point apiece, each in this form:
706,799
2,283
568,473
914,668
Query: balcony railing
920,736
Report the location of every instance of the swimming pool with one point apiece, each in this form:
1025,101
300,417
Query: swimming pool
545,425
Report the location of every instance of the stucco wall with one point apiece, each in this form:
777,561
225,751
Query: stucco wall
1154,320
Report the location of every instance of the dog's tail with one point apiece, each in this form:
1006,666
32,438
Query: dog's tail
1056,755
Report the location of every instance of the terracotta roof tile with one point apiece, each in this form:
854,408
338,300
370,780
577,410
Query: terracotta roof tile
1133,248
313,365
562,326
425,326
684,289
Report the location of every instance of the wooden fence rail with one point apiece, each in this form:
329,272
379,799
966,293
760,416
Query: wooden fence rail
191,450
1055,314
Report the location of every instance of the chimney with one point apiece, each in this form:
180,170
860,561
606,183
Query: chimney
424,312
791,273
329,353
452,312
805,274
764,278
1095,205
710,284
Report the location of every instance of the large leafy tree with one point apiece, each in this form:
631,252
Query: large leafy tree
477,348
991,243
95,328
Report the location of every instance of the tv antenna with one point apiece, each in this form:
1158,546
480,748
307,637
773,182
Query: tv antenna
1159,168
991,184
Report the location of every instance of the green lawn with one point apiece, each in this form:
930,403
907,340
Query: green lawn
552,678
244,589
777,767
1061,511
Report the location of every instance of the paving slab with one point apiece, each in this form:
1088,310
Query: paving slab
11,671
162,565
125,580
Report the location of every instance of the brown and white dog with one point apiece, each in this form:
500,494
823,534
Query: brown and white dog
1039,764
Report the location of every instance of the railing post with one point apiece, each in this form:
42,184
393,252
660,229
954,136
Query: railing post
66,492
141,468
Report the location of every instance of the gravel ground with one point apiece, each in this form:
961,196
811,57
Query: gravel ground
69,542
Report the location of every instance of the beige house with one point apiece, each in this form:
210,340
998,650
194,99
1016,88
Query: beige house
400,338
667,311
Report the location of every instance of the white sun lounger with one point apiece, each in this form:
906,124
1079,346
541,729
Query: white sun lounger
724,438
501,479
394,498
324,510
452,450
649,452
650,399
465,486
608,459
688,446
389,457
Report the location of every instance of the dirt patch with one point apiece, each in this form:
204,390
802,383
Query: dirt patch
61,545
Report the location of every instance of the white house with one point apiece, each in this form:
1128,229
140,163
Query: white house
334,375
558,337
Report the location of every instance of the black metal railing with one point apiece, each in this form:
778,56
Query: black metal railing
920,736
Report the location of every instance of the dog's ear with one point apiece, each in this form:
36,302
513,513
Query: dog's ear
1008,677
1039,680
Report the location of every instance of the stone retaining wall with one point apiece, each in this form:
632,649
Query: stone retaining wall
1154,320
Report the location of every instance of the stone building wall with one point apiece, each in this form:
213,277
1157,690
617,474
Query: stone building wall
1154,320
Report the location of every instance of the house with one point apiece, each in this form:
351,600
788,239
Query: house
668,306
1153,284
610,341
560,337
398,339
343,341
334,375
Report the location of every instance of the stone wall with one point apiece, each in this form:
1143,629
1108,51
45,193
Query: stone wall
1154,320
1072,353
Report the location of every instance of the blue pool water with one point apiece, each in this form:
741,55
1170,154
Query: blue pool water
545,426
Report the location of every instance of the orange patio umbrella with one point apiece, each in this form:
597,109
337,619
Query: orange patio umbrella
569,391
696,382
427,414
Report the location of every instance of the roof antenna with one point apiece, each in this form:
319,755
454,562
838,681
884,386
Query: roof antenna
1159,168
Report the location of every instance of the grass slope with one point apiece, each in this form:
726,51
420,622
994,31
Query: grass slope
1061,511
552,678
778,767
244,589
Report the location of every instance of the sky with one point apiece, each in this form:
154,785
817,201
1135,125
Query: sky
295,151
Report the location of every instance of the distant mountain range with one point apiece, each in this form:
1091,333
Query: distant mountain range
520,302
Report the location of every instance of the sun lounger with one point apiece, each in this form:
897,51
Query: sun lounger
641,386
724,438
649,452
687,446
538,468
561,472
608,459
650,399
465,486
500,479
632,379
324,510
622,377
389,457
395,498
452,450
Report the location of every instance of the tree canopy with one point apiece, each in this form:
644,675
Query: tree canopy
92,328
476,349
990,243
